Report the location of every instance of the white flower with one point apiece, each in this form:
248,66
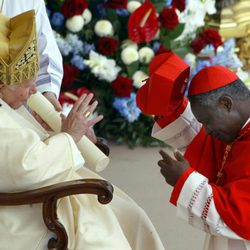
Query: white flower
104,28
132,6
191,58
138,77
129,55
75,23
128,43
210,6
101,67
146,54
87,16
193,16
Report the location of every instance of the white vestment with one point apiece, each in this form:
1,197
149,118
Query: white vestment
30,158
195,203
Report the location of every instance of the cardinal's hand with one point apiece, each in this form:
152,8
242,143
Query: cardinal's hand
172,169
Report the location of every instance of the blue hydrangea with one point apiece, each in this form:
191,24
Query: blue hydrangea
156,46
168,3
127,107
87,47
78,61
64,47
76,44
101,11
122,12
57,19
226,57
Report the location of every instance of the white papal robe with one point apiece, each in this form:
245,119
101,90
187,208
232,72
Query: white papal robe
30,158
195,202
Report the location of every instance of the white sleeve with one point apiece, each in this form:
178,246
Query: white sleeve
195,204
51,70
180,132
32,163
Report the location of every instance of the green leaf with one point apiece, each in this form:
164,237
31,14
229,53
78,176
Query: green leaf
166,42
159,4
178,29
132,68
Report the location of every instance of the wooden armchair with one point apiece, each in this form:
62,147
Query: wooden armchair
49,195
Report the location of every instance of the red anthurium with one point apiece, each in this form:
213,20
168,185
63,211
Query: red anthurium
143,23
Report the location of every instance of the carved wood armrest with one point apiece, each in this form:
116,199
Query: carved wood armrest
49,196
102,144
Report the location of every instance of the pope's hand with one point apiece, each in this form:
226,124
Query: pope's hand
76,123
172,169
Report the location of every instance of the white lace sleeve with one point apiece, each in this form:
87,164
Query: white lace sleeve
180,132
195,204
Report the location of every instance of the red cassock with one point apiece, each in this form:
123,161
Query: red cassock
232,197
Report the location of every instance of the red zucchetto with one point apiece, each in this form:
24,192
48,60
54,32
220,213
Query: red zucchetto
211,78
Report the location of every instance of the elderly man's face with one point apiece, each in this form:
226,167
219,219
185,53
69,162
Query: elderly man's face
17,95
218,121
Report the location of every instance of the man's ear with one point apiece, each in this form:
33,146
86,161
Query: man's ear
226,102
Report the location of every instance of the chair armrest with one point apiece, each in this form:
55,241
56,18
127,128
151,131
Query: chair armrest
102,144
49,196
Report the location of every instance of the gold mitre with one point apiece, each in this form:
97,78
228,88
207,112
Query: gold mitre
235,20
18,48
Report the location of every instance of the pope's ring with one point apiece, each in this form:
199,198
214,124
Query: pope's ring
86,114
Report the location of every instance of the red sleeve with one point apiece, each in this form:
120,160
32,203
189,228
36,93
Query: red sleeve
179,184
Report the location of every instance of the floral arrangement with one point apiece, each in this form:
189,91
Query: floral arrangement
107,46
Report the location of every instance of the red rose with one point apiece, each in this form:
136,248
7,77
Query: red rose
116,4
208,36
70,74
179,4
122,86
71,8
198,44
107,46
213,37
169,18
